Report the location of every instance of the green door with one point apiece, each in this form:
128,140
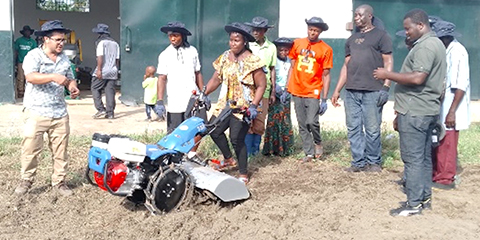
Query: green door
463,13
142,41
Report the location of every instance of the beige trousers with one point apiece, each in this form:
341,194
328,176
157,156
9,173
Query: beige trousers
58,131
20,80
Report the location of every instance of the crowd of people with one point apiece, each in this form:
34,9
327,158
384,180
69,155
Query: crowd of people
261,78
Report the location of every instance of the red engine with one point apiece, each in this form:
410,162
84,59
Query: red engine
116,174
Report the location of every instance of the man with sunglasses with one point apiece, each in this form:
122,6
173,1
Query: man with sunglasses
47,73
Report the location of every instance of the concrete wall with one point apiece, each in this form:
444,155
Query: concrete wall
104,11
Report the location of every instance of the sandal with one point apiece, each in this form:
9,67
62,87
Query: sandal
223,165
243,178
306,159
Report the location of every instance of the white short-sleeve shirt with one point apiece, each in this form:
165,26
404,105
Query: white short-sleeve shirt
179,65
458,77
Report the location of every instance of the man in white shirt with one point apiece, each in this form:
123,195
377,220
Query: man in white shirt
106,72
455,110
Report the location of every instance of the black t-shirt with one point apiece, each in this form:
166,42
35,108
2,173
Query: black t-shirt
365,51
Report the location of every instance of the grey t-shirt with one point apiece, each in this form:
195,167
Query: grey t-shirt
365,51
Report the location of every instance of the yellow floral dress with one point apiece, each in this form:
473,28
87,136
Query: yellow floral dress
238,78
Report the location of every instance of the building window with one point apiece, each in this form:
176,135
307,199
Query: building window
64,5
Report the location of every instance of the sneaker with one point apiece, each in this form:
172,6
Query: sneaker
373,168
427,204
355,169
99,114
109,116
440,186
63,189
406,210
23,187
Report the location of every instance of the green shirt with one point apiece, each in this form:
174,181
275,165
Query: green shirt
427,56
268,53
23,45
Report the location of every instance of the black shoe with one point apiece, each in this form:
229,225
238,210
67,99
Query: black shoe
373,168
355,169
99,114
406,210
427,204
109,117
440,186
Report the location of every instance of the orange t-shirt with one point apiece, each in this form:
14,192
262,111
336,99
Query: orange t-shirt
310,60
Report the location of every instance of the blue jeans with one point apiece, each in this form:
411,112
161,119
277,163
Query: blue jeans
363,119
416,152
252,141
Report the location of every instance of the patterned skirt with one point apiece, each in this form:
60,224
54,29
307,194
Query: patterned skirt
278,139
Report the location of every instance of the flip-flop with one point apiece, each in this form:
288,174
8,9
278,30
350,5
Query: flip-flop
223,165
243,178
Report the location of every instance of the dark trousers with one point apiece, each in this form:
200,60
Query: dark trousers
416,152
238,131
98,87
306,110
148,110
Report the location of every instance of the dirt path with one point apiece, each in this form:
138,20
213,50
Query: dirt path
289,200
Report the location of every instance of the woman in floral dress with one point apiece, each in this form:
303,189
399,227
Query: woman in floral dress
278,138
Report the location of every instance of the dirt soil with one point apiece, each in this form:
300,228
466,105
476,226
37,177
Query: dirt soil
289,200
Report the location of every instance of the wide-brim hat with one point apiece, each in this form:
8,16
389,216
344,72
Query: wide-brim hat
175,26
242,29
316,21
50,26
27,28
287,42
101,28
444,28
259,22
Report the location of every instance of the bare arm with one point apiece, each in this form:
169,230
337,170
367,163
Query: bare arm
199,80
388,65
260,85
289,73
213,83
450,120
161,83
342,80
42,78
411,78
273,79
99,67
326,82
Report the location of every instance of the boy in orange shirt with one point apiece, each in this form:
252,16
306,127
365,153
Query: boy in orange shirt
309,80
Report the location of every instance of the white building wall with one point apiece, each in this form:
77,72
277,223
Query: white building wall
5,15
336,13
101,11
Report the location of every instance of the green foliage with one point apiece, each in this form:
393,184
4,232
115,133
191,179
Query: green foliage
64,5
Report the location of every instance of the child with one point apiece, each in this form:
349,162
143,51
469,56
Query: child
150,96
278,138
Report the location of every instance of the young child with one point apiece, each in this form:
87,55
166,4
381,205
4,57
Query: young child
150,95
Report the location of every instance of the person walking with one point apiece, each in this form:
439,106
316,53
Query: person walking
417,103
106,72
309,80
455,109
48,72
365,50
243,75
278,138
22,46
267,51
149,85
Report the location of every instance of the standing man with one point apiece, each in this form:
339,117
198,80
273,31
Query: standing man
365,51
417,103
22,46
267,51
179,72
455,110
48,72
309,80
106,73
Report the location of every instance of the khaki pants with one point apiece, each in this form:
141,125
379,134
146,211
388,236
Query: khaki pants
258,125
58,131
20,80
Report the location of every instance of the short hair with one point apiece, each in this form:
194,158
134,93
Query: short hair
367,8
417,16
